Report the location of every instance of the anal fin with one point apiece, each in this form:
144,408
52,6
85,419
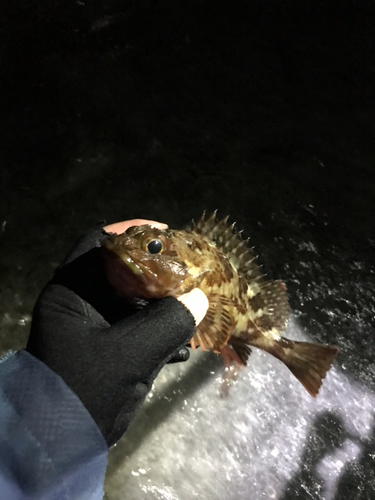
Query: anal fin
233,364
234,356
241,348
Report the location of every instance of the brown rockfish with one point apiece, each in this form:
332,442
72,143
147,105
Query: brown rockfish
244,308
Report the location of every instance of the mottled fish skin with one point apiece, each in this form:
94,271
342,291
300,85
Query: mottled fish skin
244,308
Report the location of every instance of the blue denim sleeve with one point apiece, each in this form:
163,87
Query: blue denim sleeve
50,447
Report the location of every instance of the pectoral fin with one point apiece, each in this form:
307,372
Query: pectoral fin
214,330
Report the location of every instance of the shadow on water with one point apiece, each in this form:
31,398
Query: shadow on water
171,397
356,480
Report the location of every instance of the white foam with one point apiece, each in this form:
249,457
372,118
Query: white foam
193,444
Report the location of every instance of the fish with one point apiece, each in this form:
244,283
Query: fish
245,309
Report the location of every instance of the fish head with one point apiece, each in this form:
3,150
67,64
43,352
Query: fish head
147,262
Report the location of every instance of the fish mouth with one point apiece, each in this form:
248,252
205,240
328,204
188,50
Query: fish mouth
136,268
129,278
122,257
131,264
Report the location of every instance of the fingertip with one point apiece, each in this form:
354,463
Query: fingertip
121,227
182,354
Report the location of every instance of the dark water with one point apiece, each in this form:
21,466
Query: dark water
265,110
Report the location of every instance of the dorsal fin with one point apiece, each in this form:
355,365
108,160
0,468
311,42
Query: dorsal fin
231,243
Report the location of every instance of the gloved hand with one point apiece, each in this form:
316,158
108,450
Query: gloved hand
105,349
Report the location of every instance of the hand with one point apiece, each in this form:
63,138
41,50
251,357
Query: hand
106,350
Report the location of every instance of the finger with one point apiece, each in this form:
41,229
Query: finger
182,354
147,339
197,303
120,227
90,239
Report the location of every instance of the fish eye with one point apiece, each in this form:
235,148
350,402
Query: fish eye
154,246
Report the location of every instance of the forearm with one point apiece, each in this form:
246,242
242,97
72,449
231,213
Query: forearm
50,445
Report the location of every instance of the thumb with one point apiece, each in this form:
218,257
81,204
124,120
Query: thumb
197,303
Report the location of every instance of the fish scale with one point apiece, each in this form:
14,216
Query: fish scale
244,308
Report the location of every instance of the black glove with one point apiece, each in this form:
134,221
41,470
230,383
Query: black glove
106,350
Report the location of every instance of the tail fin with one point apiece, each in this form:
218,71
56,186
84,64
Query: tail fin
308,362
